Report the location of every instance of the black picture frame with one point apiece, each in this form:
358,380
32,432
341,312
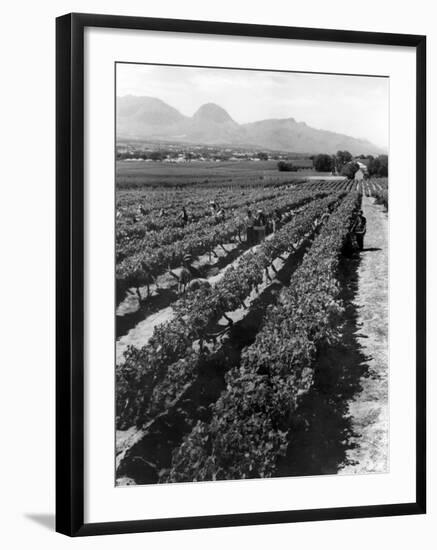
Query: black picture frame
70,273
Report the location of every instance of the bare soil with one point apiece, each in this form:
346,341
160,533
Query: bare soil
341,424
144,322
369,408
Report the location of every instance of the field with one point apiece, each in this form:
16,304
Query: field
239,358
140,173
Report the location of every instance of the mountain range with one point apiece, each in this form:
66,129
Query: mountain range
143,117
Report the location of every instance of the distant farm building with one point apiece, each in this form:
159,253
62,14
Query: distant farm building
359,175
362,171
363,166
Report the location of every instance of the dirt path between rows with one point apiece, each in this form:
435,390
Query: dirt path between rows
369,408
142,331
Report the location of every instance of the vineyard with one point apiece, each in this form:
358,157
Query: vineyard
219,338
378,188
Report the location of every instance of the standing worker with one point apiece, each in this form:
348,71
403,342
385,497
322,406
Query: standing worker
359,228
277,217
220,216
184,215
260,225
250,232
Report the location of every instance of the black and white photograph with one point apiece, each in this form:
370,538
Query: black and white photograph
251,274
215,275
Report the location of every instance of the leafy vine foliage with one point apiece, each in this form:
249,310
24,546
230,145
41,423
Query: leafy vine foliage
156,373
197,404
250,422
139,261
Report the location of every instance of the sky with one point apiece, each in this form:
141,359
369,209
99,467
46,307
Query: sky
353,105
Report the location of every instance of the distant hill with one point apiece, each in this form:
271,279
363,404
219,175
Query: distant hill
149,117
146,116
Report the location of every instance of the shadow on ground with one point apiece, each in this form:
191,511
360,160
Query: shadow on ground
164,297
46,520
148,459
160,300
321,432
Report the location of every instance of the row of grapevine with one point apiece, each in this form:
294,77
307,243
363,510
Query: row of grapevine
197,201
206,223
140,268
129,227
335,184
249,426
171,198
172,342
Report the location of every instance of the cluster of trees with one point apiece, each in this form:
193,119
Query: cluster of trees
323,163
378,166
263,156
349,170
284,166
343,163
329,163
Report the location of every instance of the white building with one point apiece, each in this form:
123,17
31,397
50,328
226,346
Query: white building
359,175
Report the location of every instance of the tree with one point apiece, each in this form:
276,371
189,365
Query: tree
157,155
379,166
323,163
263,156
342,158
349,170
286,166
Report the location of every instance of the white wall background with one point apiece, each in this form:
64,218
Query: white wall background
27,135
